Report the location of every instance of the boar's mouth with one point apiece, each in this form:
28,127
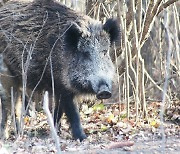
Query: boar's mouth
101,90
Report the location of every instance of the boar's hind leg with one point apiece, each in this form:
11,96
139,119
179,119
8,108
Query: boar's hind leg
4,113
3,124
58,111
72,114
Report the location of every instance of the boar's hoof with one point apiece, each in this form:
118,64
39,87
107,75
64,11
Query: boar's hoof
81,136
77,131
103,93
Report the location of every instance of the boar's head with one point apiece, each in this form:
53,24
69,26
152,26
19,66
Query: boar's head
89,68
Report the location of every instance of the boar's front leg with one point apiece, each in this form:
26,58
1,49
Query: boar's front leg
72,113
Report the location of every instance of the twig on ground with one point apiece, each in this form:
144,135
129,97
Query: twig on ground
50,121
120,144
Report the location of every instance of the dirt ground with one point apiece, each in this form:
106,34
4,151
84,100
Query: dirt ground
36,145
107,131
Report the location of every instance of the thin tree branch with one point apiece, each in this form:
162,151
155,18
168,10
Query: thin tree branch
165,5
50,121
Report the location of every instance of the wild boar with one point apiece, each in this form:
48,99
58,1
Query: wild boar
50,47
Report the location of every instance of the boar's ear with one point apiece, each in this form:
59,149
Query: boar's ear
72,36
112,28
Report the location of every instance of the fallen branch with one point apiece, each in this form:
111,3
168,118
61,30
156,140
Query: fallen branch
120,144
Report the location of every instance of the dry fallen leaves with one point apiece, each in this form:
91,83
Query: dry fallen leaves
104,125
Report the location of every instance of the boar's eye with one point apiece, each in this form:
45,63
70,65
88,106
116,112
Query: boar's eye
104,52
86,54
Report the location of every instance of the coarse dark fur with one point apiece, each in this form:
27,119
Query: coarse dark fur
8,88
53,46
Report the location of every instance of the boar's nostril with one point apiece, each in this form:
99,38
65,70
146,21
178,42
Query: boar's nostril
103,93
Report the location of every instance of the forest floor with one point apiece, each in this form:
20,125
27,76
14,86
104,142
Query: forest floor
108,131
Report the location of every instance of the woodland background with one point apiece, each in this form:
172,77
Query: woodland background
146,92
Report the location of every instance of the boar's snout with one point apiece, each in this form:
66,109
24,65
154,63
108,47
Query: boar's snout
102,88
103,92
